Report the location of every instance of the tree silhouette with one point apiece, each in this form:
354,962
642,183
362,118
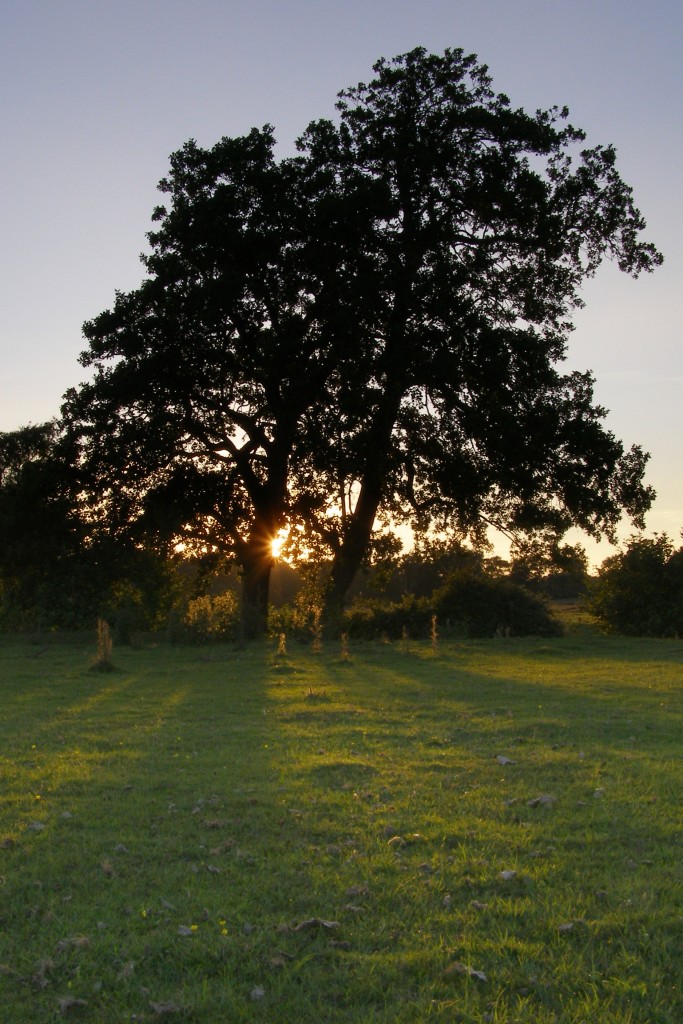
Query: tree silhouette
57,570
372,327
484,224
205,375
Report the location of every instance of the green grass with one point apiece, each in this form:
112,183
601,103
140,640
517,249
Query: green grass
200,807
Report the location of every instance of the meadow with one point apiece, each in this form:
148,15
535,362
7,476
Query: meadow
489,832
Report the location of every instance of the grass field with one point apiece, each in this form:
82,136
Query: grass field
491,833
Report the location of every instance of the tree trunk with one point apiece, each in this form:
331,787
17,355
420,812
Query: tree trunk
359,524
256,561
349,557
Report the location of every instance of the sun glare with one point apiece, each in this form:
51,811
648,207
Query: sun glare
278,543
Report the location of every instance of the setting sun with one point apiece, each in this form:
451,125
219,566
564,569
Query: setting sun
279,542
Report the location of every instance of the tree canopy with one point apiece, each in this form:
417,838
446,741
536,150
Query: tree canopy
206,374
57,568
373,327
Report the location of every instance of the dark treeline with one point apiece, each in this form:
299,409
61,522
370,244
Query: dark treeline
58,571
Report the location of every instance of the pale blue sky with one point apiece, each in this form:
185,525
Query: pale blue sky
96,95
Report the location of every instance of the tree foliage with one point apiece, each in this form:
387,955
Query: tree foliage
42,554
207,374
56,571
485,222
639,592
486,606
369,331
555,570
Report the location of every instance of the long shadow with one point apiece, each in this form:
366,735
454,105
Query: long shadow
429,686
209,792
129,802
458,816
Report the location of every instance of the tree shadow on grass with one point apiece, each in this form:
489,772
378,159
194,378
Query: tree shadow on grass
231,834
133,811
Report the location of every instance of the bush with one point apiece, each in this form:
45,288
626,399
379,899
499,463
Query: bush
639,592
205,619
483,606
298,619
470,603
372,620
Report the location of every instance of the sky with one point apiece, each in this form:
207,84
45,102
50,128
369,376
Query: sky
96,96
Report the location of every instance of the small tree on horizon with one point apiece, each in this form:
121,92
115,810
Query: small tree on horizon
639,590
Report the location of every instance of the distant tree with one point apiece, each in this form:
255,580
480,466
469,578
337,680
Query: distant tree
42,552
556,570
368,331
428,563
55,571
25,447
639,592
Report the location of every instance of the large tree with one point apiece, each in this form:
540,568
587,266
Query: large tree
485,221
371,327
205,374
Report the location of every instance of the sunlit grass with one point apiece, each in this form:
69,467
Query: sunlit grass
240,836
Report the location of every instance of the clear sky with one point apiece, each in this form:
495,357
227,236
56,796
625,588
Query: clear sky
97,93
